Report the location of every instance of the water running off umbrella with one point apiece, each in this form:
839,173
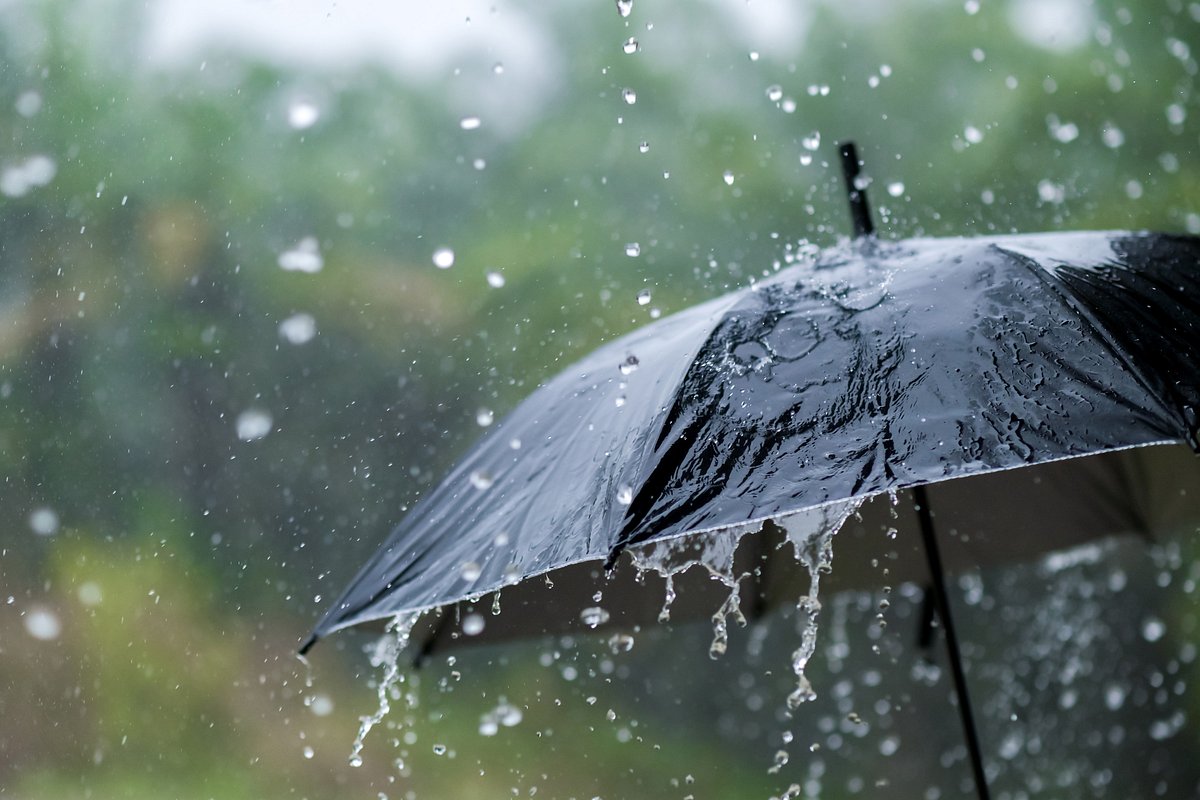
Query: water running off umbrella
810,534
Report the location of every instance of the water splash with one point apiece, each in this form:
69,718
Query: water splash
387,655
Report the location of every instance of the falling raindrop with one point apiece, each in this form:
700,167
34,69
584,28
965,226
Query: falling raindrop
594,617
43,521
633,249
1112,136
643,297
305,256
774,92
18,179
629,365
443,258
470,123
303,114
439,749
43,624
728,177
631,46
484,417
298,328
473,624
308,752
754,55
973,134
644,147
624,7
620,643
1153,629
629,96
28,103
895,188
495,279
254,423
498,68
812,142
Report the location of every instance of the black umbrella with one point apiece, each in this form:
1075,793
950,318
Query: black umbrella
864,369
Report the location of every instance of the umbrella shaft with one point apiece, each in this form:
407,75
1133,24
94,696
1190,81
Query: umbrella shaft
942,603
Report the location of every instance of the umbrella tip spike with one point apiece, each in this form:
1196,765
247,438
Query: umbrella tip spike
856,192
304,648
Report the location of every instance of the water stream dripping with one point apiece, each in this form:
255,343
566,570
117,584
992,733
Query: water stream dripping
387,655
714,551
811,536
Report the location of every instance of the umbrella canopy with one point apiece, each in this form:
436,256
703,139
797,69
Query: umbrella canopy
857,371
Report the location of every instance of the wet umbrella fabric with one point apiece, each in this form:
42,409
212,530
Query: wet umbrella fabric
860,370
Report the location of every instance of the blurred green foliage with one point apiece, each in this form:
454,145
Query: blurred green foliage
140,304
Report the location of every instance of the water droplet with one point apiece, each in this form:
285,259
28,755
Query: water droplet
471,572
43,521
620,643
629,365
620,401
482,479
780,760
973,134
805,159
320,705
633,249
625,495
895,188
754,55
728,178
308,752
629,96
298,328
624,7
254,423
484,417
43,624
305,256
1051,192
439,749
473,624
90,594
514,443
495,279
303,114
470,123
774,92
355,760
28,103
498,68
443,258
1112,136
594,617
631,46
811,142
1153,629
644,147
643,297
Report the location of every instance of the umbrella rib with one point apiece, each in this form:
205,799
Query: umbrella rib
942,601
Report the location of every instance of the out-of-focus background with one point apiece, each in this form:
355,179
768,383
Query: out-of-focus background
266,269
